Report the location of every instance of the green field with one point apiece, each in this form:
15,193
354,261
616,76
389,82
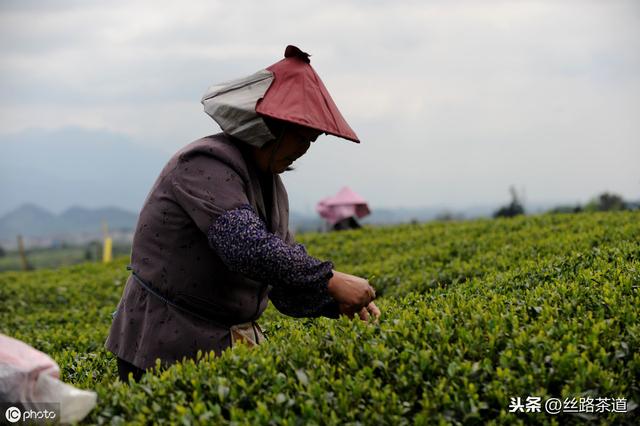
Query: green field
474,313
42,258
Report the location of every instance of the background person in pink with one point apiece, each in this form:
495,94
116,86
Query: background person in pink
342,210
212,244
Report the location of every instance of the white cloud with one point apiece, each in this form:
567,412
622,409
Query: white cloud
458,99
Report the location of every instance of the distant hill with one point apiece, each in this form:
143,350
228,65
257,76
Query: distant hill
54,168
389,216
31,220
80,224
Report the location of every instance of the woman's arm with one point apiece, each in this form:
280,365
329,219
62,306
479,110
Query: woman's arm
213,194
244,244
299,281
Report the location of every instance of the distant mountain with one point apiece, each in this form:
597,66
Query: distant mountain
80,218
58,168
31,220
28,218
389,216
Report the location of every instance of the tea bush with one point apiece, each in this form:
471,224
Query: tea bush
474,313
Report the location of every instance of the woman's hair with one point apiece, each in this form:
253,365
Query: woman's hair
276,127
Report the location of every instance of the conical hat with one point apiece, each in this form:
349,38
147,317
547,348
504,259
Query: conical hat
344,204
233,106
298,95
289,90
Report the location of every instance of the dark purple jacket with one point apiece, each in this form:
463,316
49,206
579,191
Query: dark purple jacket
206,255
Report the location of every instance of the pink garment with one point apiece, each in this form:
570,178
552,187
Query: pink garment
20,367
18,355
31,378
343,205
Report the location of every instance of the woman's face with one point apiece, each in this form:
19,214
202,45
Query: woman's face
294,144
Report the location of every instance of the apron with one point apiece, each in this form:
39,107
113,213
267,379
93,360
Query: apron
248,333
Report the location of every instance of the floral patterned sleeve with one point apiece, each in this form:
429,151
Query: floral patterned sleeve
299,281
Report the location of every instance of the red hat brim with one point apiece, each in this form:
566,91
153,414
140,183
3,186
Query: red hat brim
297,95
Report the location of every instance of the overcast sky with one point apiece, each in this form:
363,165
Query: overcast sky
453,100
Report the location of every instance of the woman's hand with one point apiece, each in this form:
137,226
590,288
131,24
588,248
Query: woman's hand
349,290
354,295
364,313
370,309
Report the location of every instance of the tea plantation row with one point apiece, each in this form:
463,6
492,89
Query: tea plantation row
474,313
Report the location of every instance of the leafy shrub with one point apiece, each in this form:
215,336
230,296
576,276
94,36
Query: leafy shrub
473,313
